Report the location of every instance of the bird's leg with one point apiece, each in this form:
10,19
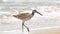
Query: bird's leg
22,25
27,28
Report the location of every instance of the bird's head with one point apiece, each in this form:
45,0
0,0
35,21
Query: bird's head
35,11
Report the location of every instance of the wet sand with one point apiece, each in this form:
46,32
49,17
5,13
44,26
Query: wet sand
46,31
55,32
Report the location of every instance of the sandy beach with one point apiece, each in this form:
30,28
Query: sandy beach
49,23
46,31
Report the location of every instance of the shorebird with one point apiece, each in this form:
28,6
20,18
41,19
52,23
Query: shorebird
25,17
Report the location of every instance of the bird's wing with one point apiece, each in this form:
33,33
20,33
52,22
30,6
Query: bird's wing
24,15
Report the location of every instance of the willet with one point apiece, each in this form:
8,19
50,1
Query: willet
25,17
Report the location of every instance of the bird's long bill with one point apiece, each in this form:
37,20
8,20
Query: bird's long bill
40,13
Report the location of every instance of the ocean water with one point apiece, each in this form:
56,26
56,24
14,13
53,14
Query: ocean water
11,25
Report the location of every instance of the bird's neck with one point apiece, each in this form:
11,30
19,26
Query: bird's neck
33,13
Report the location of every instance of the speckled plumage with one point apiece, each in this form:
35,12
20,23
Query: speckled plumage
24,16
